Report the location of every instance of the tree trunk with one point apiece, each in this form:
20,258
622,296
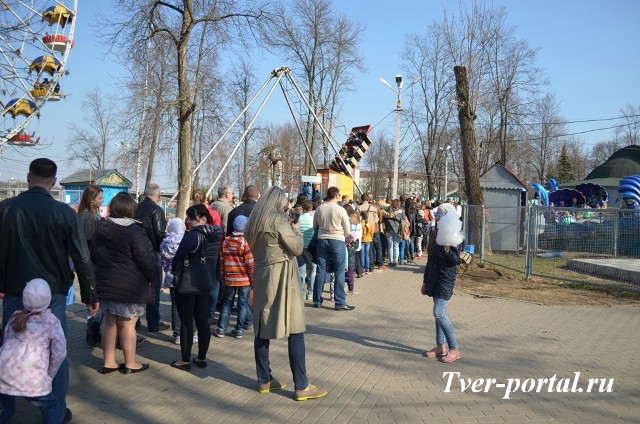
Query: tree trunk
154,136
503,134
185,108
309,140
469,151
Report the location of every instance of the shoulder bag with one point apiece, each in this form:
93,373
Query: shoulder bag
195,274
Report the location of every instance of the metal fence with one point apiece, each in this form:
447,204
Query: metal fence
586,246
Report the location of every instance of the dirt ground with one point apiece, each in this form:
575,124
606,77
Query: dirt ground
491,281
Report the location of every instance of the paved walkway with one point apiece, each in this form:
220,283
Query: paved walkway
370,360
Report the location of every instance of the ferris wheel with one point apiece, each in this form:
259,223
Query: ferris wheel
36,37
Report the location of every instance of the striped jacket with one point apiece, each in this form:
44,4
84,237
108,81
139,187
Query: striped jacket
236,263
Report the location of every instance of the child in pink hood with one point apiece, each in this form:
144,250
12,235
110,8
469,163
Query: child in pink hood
34,347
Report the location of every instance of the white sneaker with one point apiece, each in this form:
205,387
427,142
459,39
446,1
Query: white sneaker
195,338
177,340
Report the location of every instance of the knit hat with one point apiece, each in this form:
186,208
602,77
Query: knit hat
239,223
176,225
36,296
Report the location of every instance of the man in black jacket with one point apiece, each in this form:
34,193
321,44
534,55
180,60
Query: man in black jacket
155,226
36,234
250,197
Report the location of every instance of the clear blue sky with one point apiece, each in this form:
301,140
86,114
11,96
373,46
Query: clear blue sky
589,50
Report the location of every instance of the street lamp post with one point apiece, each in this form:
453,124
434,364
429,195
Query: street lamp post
396,152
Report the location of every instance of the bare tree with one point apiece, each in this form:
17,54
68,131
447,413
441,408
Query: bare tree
377,161
629,133
431,110
545,136
179,20
602,151
579,157
98,130
511,73
244,86
322,45
466,37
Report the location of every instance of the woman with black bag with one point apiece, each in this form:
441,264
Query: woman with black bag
194,267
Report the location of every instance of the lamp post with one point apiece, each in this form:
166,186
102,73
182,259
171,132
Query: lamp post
396,152
446,169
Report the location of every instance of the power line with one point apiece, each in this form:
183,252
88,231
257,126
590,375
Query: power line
581,121
576,133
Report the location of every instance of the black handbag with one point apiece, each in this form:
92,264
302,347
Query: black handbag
195,274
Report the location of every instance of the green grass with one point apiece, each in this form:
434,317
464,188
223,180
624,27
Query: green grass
556,269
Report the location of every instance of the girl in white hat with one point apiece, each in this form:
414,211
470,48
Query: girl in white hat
34,347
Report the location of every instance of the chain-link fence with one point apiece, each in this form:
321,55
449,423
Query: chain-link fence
586,246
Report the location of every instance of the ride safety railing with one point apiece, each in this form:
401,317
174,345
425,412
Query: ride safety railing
580,245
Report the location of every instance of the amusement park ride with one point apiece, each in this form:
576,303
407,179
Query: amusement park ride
36,40
589,194
346,158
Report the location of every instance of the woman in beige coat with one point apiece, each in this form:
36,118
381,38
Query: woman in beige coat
278,307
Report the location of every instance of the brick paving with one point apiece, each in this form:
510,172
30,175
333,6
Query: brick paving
370,361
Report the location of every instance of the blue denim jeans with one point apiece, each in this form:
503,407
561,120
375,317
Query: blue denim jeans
153,309
296,360
444,329
393,244
243,307
46,403
305,261
248,321
213,297
377,250
333,251
365,260
402,247
54,407
411,244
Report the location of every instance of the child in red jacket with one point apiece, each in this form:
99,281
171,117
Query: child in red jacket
236,273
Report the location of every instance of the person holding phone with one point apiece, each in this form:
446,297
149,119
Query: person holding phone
278,306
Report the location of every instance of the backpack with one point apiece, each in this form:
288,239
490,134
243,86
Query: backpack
419,226
405,232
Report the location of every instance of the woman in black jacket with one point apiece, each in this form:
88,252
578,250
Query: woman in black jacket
124,272
438,282
195,306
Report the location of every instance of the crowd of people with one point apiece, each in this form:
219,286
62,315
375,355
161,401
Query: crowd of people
270,253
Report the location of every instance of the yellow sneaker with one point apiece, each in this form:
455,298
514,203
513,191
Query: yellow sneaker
269,387
311,392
